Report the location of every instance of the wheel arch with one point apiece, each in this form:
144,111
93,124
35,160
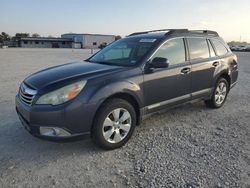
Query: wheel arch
130,98
226,76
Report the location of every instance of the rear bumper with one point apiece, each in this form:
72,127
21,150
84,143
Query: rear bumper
74,117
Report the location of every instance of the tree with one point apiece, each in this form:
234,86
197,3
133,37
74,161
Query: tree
22,35
1,39
35,35
236,43
117,37
5,36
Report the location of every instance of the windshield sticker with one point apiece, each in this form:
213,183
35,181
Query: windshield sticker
147,40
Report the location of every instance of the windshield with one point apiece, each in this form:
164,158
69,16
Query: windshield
125,52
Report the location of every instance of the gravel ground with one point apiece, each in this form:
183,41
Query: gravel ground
189,146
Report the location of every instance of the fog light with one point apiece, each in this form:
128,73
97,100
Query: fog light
53,132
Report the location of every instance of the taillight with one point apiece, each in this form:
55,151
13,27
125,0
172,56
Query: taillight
235,58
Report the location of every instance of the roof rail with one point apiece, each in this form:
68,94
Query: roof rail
168,31
177,31
145,32
207,32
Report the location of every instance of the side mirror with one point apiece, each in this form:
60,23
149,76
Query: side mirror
159,62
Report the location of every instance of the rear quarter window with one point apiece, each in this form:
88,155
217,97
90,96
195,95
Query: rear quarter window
219,47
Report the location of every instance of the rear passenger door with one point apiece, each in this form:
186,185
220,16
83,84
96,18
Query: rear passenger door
171,85
203,64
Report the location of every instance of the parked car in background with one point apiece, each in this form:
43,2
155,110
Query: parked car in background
102,45
240,48
110,93
247,49
233,48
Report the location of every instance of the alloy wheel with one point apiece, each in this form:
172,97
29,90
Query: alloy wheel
116,125
220,93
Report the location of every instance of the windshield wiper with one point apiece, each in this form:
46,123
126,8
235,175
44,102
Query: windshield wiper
103,62
95,61
108,63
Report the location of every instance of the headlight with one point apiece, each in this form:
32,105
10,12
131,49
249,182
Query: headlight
63,94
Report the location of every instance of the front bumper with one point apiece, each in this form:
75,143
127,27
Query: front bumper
74,117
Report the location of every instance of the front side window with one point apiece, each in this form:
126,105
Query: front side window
173,50
198,48
124,52
219,47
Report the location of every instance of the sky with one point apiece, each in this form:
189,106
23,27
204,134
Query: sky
230,18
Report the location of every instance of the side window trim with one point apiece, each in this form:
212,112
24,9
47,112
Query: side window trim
187,55
187,50
167,40
215,51
209,43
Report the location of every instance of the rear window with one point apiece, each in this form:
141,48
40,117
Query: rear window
198,48
219,47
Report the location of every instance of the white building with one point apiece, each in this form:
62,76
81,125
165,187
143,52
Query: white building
44,42
88,40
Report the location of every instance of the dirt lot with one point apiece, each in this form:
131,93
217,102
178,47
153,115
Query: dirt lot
189,146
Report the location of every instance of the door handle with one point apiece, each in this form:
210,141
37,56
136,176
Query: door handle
185,70
215,64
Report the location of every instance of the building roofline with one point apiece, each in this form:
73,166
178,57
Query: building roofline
86,34
46,39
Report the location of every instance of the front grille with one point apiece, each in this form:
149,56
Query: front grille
26,94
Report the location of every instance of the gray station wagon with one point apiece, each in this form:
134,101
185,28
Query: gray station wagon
108,94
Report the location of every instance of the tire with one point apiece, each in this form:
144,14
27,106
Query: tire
114,124
219,95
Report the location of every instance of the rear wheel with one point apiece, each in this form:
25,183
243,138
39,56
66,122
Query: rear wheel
219,94
114,124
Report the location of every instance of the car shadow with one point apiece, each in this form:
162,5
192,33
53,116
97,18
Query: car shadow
17,145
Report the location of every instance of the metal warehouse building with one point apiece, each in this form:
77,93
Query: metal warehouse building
44,42
88,40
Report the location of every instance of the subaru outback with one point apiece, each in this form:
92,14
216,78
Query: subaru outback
108,94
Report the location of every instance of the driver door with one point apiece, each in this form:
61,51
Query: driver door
171,85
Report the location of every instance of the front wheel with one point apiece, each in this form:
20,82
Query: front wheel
114,124
219,94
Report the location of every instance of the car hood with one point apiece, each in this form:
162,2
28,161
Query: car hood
64,72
